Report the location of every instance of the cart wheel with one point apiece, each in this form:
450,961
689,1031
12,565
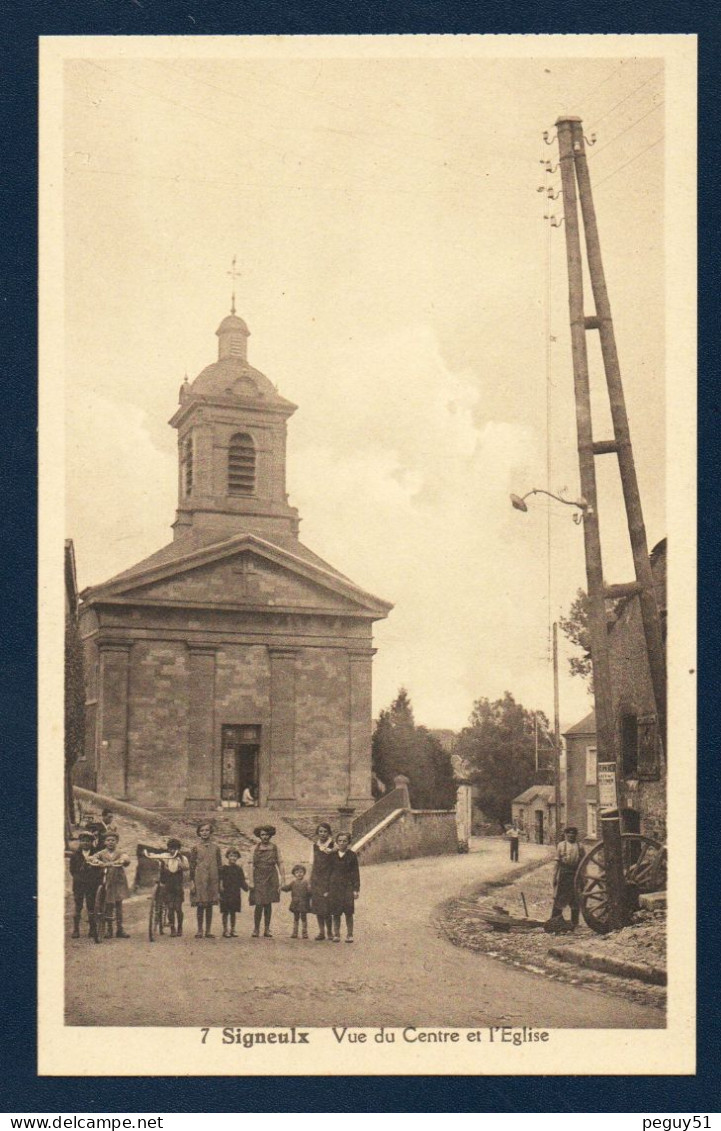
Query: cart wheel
152,916
644,866
99,913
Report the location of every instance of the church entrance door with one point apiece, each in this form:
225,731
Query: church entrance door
241,748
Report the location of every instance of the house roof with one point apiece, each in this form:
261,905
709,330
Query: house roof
587,725
548,792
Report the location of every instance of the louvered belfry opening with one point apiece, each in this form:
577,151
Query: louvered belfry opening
241,465
188,465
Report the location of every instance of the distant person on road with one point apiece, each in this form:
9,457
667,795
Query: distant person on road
205,863
267,879
299,889
173,866
344,886
513,833
322,862
247,797
568,856
232,882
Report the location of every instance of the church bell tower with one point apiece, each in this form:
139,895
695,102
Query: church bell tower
232,430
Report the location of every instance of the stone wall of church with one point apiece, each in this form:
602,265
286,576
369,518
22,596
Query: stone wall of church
155,731
157,754
322,705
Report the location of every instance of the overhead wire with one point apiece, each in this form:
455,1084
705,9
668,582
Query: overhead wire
630,161
626,98
625,131
598,86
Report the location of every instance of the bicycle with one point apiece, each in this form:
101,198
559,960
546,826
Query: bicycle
158,915
103,912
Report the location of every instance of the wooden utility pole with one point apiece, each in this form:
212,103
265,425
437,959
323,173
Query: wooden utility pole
574,169
622,436
591,533
556,735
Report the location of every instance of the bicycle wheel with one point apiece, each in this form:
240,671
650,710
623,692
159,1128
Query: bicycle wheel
99,912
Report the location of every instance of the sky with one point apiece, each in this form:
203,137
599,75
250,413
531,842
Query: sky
403,288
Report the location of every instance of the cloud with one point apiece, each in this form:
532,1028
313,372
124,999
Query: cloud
121,488
408,494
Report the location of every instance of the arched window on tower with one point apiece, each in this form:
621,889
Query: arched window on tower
241,465
187,464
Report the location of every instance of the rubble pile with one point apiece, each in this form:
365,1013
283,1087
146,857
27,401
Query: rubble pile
639,949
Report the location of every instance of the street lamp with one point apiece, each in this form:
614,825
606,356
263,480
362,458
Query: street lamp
519,502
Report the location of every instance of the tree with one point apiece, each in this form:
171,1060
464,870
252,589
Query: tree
575,628
401,747
74,705
499,746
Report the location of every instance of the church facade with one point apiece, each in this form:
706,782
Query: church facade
234,657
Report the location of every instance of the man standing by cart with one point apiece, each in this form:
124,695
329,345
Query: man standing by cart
569,855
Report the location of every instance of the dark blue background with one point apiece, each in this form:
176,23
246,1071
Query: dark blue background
21,1089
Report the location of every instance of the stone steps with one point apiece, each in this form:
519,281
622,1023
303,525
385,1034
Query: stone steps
235,827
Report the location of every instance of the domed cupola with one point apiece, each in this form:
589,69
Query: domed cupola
233,337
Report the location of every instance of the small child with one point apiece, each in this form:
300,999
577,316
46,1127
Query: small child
299,890
173,865
232,882
116,885
344,886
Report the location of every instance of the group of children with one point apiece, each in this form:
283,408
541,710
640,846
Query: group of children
96,859
329,892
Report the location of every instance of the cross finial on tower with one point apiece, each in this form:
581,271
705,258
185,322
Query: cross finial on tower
234,274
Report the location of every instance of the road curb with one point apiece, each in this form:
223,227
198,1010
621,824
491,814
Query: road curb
651,974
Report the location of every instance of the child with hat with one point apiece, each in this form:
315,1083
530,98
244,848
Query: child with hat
86,880
232,882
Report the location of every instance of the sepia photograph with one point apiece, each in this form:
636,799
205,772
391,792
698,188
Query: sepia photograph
367,494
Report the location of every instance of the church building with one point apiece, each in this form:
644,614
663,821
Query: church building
234,656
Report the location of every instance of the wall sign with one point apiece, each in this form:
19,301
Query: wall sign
607,792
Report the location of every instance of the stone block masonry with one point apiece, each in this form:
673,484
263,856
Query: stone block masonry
416,832
158,724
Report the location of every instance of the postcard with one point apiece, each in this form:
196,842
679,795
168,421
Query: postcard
367,574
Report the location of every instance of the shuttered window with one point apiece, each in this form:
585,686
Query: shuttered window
241,465
648,748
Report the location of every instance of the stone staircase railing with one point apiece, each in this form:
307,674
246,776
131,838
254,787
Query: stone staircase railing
390,802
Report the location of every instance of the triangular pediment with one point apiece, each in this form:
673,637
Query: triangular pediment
243,572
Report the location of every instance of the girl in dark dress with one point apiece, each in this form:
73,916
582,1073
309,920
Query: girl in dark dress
232,882
344,886
268,876
173,866
323,850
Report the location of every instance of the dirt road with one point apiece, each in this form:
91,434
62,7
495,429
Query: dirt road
399,971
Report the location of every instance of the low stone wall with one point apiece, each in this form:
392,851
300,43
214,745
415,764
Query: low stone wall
415,832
